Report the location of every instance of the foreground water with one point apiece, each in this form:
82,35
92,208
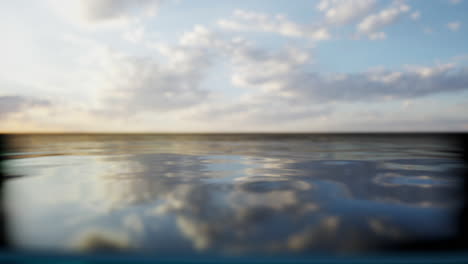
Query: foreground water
228,194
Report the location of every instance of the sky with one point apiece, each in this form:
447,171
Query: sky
233,65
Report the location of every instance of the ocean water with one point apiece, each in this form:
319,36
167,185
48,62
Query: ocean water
228,194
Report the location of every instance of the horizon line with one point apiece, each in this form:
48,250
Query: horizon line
224,132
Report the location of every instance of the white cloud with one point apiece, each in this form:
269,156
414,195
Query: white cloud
134,84
416,15
454,26
345,11
377,36
202,37
242,20
454,2
167,79
135,35
257,68
173,81
375,22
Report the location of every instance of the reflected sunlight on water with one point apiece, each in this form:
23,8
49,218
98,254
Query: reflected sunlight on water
228,194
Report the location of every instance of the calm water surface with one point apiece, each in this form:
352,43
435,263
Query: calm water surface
228,194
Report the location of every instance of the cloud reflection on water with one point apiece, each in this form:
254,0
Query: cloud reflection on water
236,203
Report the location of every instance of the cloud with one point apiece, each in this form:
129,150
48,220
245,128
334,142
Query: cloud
454,26
100,10
174,79
416,15
389,85
258,68
134,84
336,13
455,2
377,36
96,240
154,82
15,103
343,12
135,35
206,39
284,78
286,75
372,24
105,12
243,20
161,78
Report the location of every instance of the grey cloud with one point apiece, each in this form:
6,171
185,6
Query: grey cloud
101,241
15,103
100,10
366,87
285,76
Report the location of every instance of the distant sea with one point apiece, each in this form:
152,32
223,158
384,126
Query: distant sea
229,194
